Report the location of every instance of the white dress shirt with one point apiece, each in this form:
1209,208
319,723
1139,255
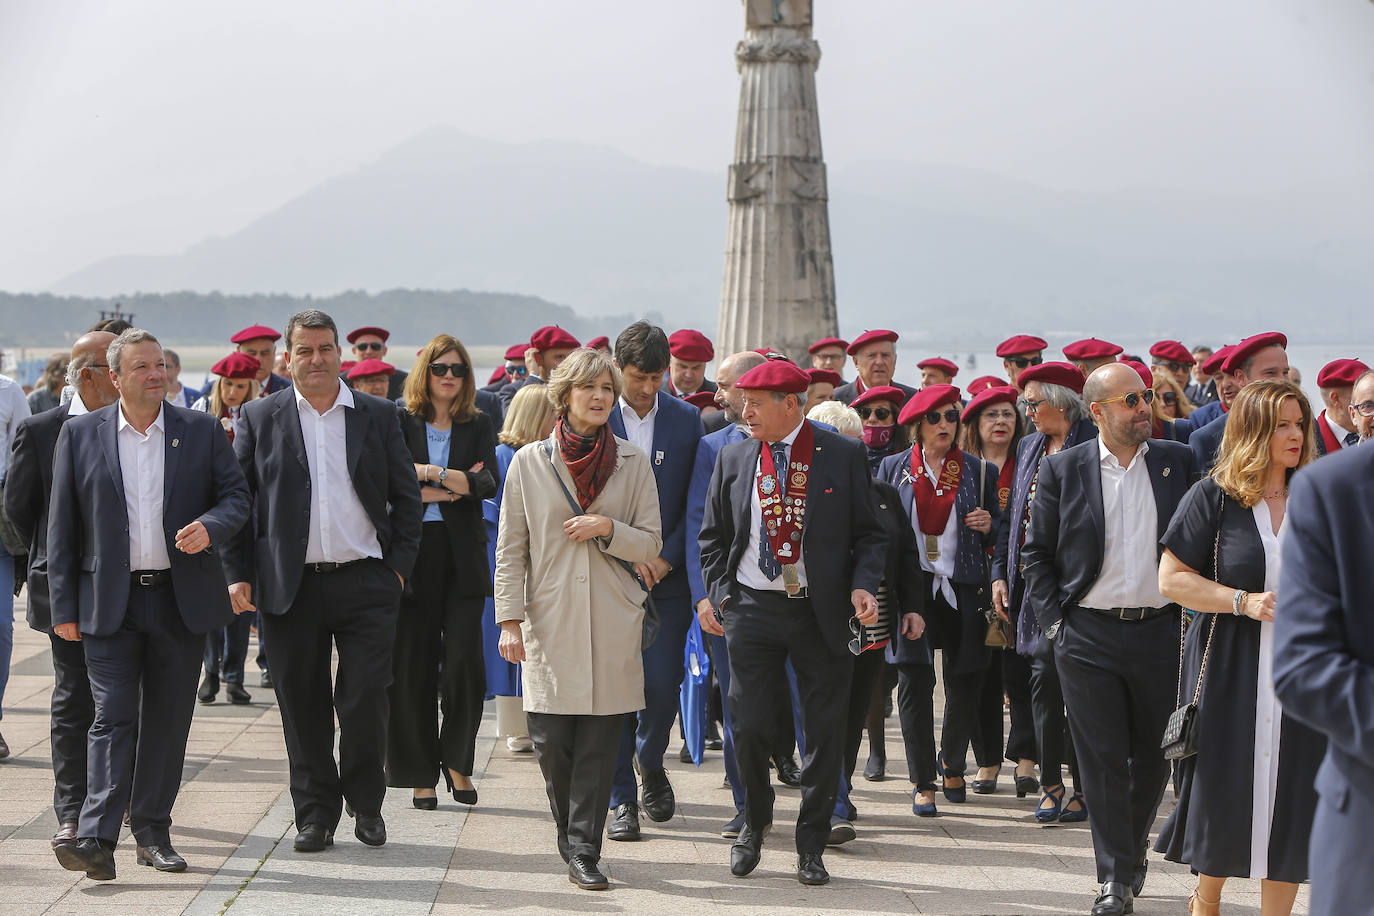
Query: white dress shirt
340,530
1340,432
1130,557
142,457
749,574
76,407
14,406
947,541
640,432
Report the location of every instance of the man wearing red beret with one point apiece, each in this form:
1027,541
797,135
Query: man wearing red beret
549,346
875,357
689,351
1021,352
1335,426
937,371
370,343
1257,357
822,387
1173,357
372,376
828,353
513,369
260,342
1088,354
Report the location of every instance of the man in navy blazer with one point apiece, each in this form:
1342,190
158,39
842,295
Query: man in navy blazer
668,430
1324,663
1257,357
143,495
1092,575
26,503
336,530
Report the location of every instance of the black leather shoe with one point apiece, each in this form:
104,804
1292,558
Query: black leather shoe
313,838
733,826
425,802
65,835
266,679
789,774
208,690
625,824
841,832
237,695
657,795
583,872
811,870
90,855
876,769
1115,900
1142,866
370,829
160,856
747,850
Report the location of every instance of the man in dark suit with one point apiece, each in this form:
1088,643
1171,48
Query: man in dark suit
1324,664
142,493
667,430
875,358
1258,357
1092,574
336,531
549,346
791,550
26,504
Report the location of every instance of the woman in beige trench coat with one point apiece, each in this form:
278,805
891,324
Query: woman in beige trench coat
567,608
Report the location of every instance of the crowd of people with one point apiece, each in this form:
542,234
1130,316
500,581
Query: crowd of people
1128,561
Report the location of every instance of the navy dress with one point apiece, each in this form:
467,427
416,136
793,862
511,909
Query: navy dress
1212,828
503,678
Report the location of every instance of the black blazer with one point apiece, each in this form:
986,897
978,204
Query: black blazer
88,524
469,442
271,452
1064,545
27,489
906,586
842,541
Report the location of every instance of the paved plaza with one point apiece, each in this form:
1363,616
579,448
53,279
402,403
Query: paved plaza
233,825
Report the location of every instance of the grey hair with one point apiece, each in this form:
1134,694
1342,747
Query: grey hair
128,338
75,366
840,415
1066,399
310,318
171,356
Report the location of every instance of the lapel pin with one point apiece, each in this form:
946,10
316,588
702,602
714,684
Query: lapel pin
829,489
175,442
1166,471
658,457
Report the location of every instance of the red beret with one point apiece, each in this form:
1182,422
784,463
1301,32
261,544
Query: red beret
255,332
984,382
553,337
1250,346
828,342
775,375
346,365
701,399
1092,348
939,362
1065,374
596,343
770,353
1340,373
370,367
692,346
880,393
1212,365
1021,343
997,394
1146,374
869,337
354,334
928,398
237,365
1174,351
516,354
496,375
824,375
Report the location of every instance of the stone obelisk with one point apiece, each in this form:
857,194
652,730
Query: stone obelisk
779,286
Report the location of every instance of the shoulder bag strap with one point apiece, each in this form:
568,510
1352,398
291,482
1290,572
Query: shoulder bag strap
1212,624
577,509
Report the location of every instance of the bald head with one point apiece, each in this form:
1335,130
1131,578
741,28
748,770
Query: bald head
1121,426
1111,381
727,373
87,372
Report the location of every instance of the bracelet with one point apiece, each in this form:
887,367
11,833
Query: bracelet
427,467
1236,599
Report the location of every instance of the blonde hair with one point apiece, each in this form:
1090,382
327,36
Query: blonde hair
582,367
216,397
416,389
527,416
840,415
1165,379
1242,468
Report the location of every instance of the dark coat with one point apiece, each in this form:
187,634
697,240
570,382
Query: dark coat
906,585
1206,445
28,486
708,449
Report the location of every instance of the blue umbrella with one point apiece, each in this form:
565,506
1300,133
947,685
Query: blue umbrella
692,699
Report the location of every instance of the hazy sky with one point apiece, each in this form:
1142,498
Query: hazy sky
142,126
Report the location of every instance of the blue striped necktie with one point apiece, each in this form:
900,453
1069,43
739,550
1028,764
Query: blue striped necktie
768,563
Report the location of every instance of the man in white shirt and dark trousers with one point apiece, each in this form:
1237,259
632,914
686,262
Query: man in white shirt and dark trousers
1092,573
335,533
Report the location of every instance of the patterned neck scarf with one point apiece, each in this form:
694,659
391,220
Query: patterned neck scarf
590,459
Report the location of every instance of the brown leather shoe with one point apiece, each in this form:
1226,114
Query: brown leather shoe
65,835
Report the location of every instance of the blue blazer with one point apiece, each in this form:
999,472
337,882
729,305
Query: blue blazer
88,524
1184,427
707,450
677,430
1323,644
1206,443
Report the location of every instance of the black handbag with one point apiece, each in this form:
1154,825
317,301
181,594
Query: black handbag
651,624
999,633
1181,731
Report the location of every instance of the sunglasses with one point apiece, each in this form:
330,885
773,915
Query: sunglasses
1169,364
1133,399
459,370
369,345
881,413
1170,398
1021,362
513,369
856,647
934,416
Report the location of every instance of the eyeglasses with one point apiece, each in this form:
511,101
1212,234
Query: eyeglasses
1133,399
1169,364
995,415
459,370
513,369
1021,362
856,647
1031,406
950,416
369,345
96,366
881,413
1170,398
1365,409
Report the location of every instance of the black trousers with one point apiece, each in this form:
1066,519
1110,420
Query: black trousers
986,737
1051,724
577,756
73,711
1119,681
145,671
916,709
1016,683
437,657
352,610
763,630
226,649
870,669
973,712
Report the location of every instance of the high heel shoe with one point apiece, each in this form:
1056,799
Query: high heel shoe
926,809
956,794
1069,815
461,796
987,786
425,802
1213,905
1050,815
1026,784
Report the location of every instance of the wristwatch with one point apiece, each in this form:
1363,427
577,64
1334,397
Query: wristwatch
443,474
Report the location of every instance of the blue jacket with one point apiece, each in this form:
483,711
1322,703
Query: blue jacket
1184,427
707,449
1206,443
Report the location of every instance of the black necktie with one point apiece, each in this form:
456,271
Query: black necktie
768,563
1352,438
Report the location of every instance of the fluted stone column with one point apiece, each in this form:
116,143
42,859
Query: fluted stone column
779,286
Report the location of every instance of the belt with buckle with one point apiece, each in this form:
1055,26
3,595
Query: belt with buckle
333,567
1131,613
148,578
